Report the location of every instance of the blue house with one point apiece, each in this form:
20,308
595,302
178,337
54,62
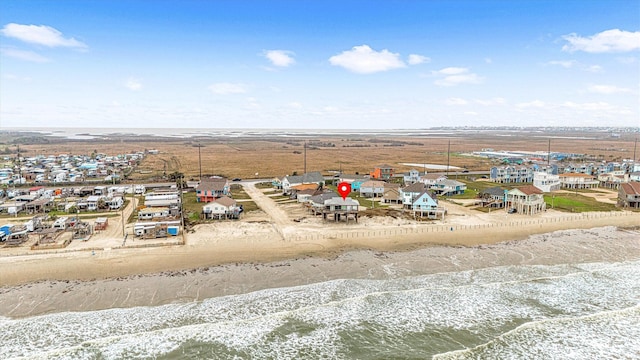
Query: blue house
426,204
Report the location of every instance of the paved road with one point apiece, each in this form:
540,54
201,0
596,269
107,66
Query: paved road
279,216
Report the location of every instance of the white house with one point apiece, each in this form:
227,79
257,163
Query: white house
153,213
546,182
115,203
308,178
221,208
92,202
372,188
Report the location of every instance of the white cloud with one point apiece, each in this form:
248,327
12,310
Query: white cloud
227,88
614,40
295,105
23,55
607,89
415,59
40,35
455,76
567,64
593,68
456,101
364,60
451,71
281,58
133,84
532,104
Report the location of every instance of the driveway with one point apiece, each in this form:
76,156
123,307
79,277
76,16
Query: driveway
278,216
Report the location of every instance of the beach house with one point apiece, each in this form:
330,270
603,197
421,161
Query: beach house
528,200
546,182
448,187
372,188
410,193
493,197
578,181
221,208
511,174
425,204
382,172
392,194
212,188
412,177
629,195
339,208
307,178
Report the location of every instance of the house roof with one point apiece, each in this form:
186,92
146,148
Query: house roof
450,182
312,177
428,193
576,175
305,187
320,199
493,191
151,210
339,201
529,190
373,183
632,187
225,201
391,186
215,184
415,188
432,176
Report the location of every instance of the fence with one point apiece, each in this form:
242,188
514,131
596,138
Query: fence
432,228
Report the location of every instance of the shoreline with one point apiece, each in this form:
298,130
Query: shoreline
246,242
198,283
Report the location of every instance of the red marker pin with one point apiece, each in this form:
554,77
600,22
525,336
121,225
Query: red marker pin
344,189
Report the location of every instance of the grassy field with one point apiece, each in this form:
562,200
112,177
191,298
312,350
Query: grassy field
576,203
270,157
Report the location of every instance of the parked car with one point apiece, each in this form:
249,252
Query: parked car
512,211
236,179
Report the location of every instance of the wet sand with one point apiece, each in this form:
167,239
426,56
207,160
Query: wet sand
109,286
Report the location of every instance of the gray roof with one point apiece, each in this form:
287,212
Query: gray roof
415,188
320,199
493,191
340,201
308,178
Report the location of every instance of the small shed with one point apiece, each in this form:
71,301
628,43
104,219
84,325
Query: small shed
101,223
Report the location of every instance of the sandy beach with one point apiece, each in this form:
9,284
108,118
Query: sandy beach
93,282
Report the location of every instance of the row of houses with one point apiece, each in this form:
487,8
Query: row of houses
68,168
525,173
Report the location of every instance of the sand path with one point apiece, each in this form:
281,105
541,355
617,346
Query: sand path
279,217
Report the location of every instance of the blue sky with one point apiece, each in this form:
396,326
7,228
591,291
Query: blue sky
319,64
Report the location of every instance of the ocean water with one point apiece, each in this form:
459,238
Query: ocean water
569,311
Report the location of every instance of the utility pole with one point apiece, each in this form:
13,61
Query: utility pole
200,161
549,153
635,145
305,157
448,155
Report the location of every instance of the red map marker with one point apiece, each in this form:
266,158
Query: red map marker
344,189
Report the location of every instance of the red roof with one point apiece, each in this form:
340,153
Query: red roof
631,188
530,190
